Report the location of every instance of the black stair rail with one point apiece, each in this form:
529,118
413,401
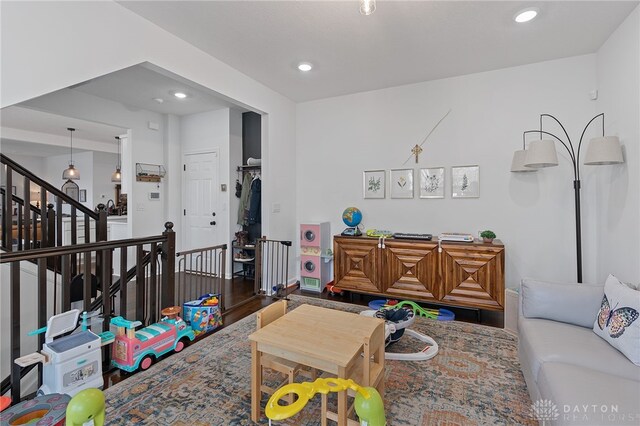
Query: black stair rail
26,220
160,289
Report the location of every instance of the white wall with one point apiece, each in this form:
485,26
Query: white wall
29,162
618,195
104,164
61,55
55,165
144,145
533,213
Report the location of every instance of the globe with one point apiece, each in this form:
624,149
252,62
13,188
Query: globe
352,216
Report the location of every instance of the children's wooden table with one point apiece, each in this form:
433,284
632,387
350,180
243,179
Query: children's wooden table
328,340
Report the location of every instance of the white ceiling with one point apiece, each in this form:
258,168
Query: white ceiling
402,42
34,149
35,133
16,117
137,87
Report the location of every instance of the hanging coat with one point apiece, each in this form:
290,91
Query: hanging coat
254,203
244,200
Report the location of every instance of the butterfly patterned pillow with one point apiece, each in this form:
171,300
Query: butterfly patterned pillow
617,321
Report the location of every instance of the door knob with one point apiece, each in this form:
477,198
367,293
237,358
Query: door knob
213,222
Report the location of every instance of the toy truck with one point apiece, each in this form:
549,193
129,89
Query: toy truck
133,350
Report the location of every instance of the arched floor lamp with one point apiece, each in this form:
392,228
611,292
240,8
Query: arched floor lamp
542,153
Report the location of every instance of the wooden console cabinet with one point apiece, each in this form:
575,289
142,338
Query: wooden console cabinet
463,274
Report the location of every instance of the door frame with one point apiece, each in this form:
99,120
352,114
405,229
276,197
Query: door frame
215,150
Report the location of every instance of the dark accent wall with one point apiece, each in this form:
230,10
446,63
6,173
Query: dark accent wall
251,136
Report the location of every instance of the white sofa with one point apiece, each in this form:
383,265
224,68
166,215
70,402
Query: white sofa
566,363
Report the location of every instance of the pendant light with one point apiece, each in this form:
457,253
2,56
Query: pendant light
71,172
117,176
367,7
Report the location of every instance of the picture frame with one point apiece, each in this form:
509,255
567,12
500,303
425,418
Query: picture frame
401,183
83,196
432,182
374,184
465,182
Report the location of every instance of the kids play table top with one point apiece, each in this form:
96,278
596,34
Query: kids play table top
325,339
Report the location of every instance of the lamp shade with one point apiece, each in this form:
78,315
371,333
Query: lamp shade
71,173
604,150
517,164
116,176
541,153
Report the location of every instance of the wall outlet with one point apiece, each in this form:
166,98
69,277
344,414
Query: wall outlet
275,208
140,207
153,125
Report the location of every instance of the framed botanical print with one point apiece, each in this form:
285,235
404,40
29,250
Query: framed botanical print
373,184
465,182
432,182
401,183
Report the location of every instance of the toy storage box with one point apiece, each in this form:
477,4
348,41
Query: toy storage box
202,317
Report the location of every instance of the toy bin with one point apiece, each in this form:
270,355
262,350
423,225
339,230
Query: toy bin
203,315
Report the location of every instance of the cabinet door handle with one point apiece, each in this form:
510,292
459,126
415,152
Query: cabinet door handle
213,222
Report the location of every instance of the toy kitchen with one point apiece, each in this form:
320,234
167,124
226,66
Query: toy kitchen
70,363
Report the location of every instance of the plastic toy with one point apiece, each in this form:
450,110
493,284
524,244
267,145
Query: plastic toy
70,363
203,315
5,402
439,314
138,349
368,402
88,405
397,320
333,290
43,410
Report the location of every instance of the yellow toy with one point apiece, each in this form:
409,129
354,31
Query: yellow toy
368,403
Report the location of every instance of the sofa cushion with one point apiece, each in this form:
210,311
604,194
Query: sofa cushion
617,320
587,397
551,341
571,303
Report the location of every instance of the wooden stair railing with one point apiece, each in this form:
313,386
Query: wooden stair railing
154,275
26,222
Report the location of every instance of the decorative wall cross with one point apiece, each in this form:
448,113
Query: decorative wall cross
416,150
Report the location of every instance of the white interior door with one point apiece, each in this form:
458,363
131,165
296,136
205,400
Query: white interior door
200,201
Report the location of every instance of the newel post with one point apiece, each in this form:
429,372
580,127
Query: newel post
168,257
101,226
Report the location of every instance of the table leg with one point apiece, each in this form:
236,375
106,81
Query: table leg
324,409
342,400
256,380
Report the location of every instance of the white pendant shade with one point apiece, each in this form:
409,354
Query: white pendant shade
541,153
367,7
604,150
517,164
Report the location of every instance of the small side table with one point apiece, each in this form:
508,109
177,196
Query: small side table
511,310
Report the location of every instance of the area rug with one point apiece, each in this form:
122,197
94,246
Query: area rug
474,380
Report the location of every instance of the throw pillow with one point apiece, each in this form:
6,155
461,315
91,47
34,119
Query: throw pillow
617,321
571,303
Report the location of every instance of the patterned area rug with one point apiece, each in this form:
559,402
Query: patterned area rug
474,380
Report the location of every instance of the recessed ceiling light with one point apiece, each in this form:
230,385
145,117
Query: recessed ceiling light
305,66
158,100
180,95
526,15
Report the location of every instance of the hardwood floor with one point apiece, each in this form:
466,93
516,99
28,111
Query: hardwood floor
239,289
